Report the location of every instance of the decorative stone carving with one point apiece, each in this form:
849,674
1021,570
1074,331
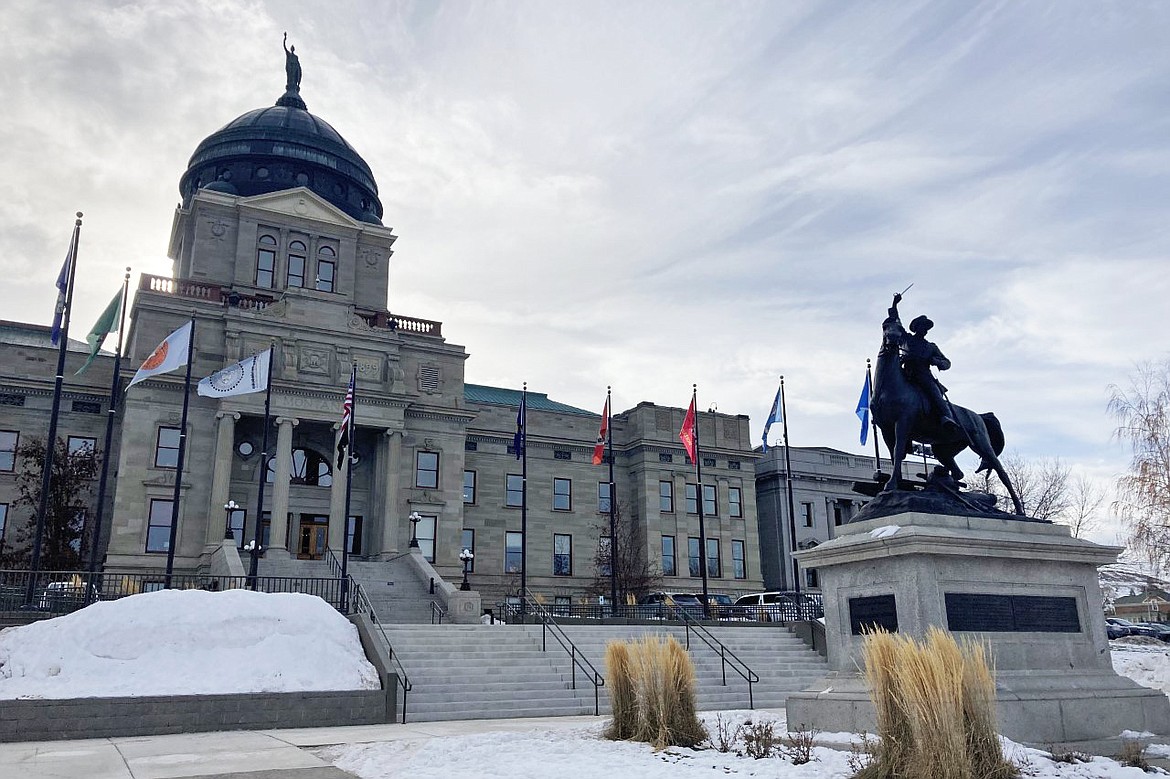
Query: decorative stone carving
313,359
370,257
369,367
218,228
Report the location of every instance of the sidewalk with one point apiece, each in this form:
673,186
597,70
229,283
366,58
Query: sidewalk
260,754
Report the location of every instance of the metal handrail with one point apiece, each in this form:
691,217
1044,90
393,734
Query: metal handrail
750,676
437,613
330,558
549,623
361,604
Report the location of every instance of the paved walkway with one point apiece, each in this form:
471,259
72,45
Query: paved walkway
259,754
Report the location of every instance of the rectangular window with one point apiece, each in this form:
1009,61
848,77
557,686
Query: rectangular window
738,561
467,541
9,441
325,271
668,561
807,510
562,495
666,497
735,502
562,555
714,566
603,550
426,470
512,552
603,493
469,486
296,270
426,536
166,451
694,561
266,262
838,514
158,529
709,506
3,522
238,522
353,536
692,499
514,489
810,577
81,445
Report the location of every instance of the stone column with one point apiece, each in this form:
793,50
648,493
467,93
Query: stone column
221,474
337,518
284,427
391,518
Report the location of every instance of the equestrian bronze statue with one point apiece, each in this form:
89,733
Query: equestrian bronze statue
909,404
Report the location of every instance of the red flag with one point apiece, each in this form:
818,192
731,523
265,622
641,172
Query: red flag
687,434
602,435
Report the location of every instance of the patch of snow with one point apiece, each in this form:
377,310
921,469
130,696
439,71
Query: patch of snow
1148,665
186,642
885,531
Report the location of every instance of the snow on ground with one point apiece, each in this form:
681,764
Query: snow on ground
1145,660
184,642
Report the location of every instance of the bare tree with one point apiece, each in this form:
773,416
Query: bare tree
1142,411
1043,485
635,574
66,510
1084,500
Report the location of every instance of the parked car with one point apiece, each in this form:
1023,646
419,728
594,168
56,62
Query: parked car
723,607
1130,628
66,596
667,605
781,606
1161,630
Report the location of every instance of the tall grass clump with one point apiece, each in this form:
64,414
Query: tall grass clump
935,704
651,683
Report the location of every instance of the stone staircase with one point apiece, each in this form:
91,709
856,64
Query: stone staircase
394,590
485,671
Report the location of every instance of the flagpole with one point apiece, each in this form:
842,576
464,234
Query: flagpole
51,439
699,496
877,454
110,414
182,452
788,485
348,492
255,551
613,543
524,500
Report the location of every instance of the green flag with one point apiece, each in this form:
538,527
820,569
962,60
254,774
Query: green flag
106,324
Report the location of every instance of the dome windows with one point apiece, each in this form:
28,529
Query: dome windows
308,262
296,264
266,261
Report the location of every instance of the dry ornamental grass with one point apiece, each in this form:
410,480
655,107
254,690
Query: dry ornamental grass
651,684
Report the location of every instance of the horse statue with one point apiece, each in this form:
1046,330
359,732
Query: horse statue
906,413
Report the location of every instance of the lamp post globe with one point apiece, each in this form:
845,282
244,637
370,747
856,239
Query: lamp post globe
228,508
414,518
466,556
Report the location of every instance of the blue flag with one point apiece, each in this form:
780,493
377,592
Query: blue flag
521,438
775,415
62,291
863,410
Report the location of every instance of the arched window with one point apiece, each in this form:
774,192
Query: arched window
265,261
326,268
297,253
308,467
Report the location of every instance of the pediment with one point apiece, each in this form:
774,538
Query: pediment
302,203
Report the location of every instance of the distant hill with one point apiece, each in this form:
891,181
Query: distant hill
1120,579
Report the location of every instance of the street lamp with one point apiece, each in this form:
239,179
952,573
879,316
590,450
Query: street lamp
228,508
414,518
466,556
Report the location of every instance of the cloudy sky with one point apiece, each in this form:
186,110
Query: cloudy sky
651,195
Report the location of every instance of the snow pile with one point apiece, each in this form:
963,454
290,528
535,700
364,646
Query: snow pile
186,642
1148,665
885,531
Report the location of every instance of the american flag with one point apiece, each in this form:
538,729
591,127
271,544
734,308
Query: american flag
346,422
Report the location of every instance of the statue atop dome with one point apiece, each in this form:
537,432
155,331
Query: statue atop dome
292,87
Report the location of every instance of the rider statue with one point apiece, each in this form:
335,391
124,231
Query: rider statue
292,67
918,355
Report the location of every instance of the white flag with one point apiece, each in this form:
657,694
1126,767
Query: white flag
246,376
167,356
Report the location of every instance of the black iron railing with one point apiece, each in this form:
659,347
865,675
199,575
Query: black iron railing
794,607
578,660
62,592
361,605
726,656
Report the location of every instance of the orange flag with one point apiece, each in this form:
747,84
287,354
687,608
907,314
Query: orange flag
599,448
687,434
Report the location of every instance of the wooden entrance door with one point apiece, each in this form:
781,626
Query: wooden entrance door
314,537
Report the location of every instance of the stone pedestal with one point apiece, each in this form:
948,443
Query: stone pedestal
1028,589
